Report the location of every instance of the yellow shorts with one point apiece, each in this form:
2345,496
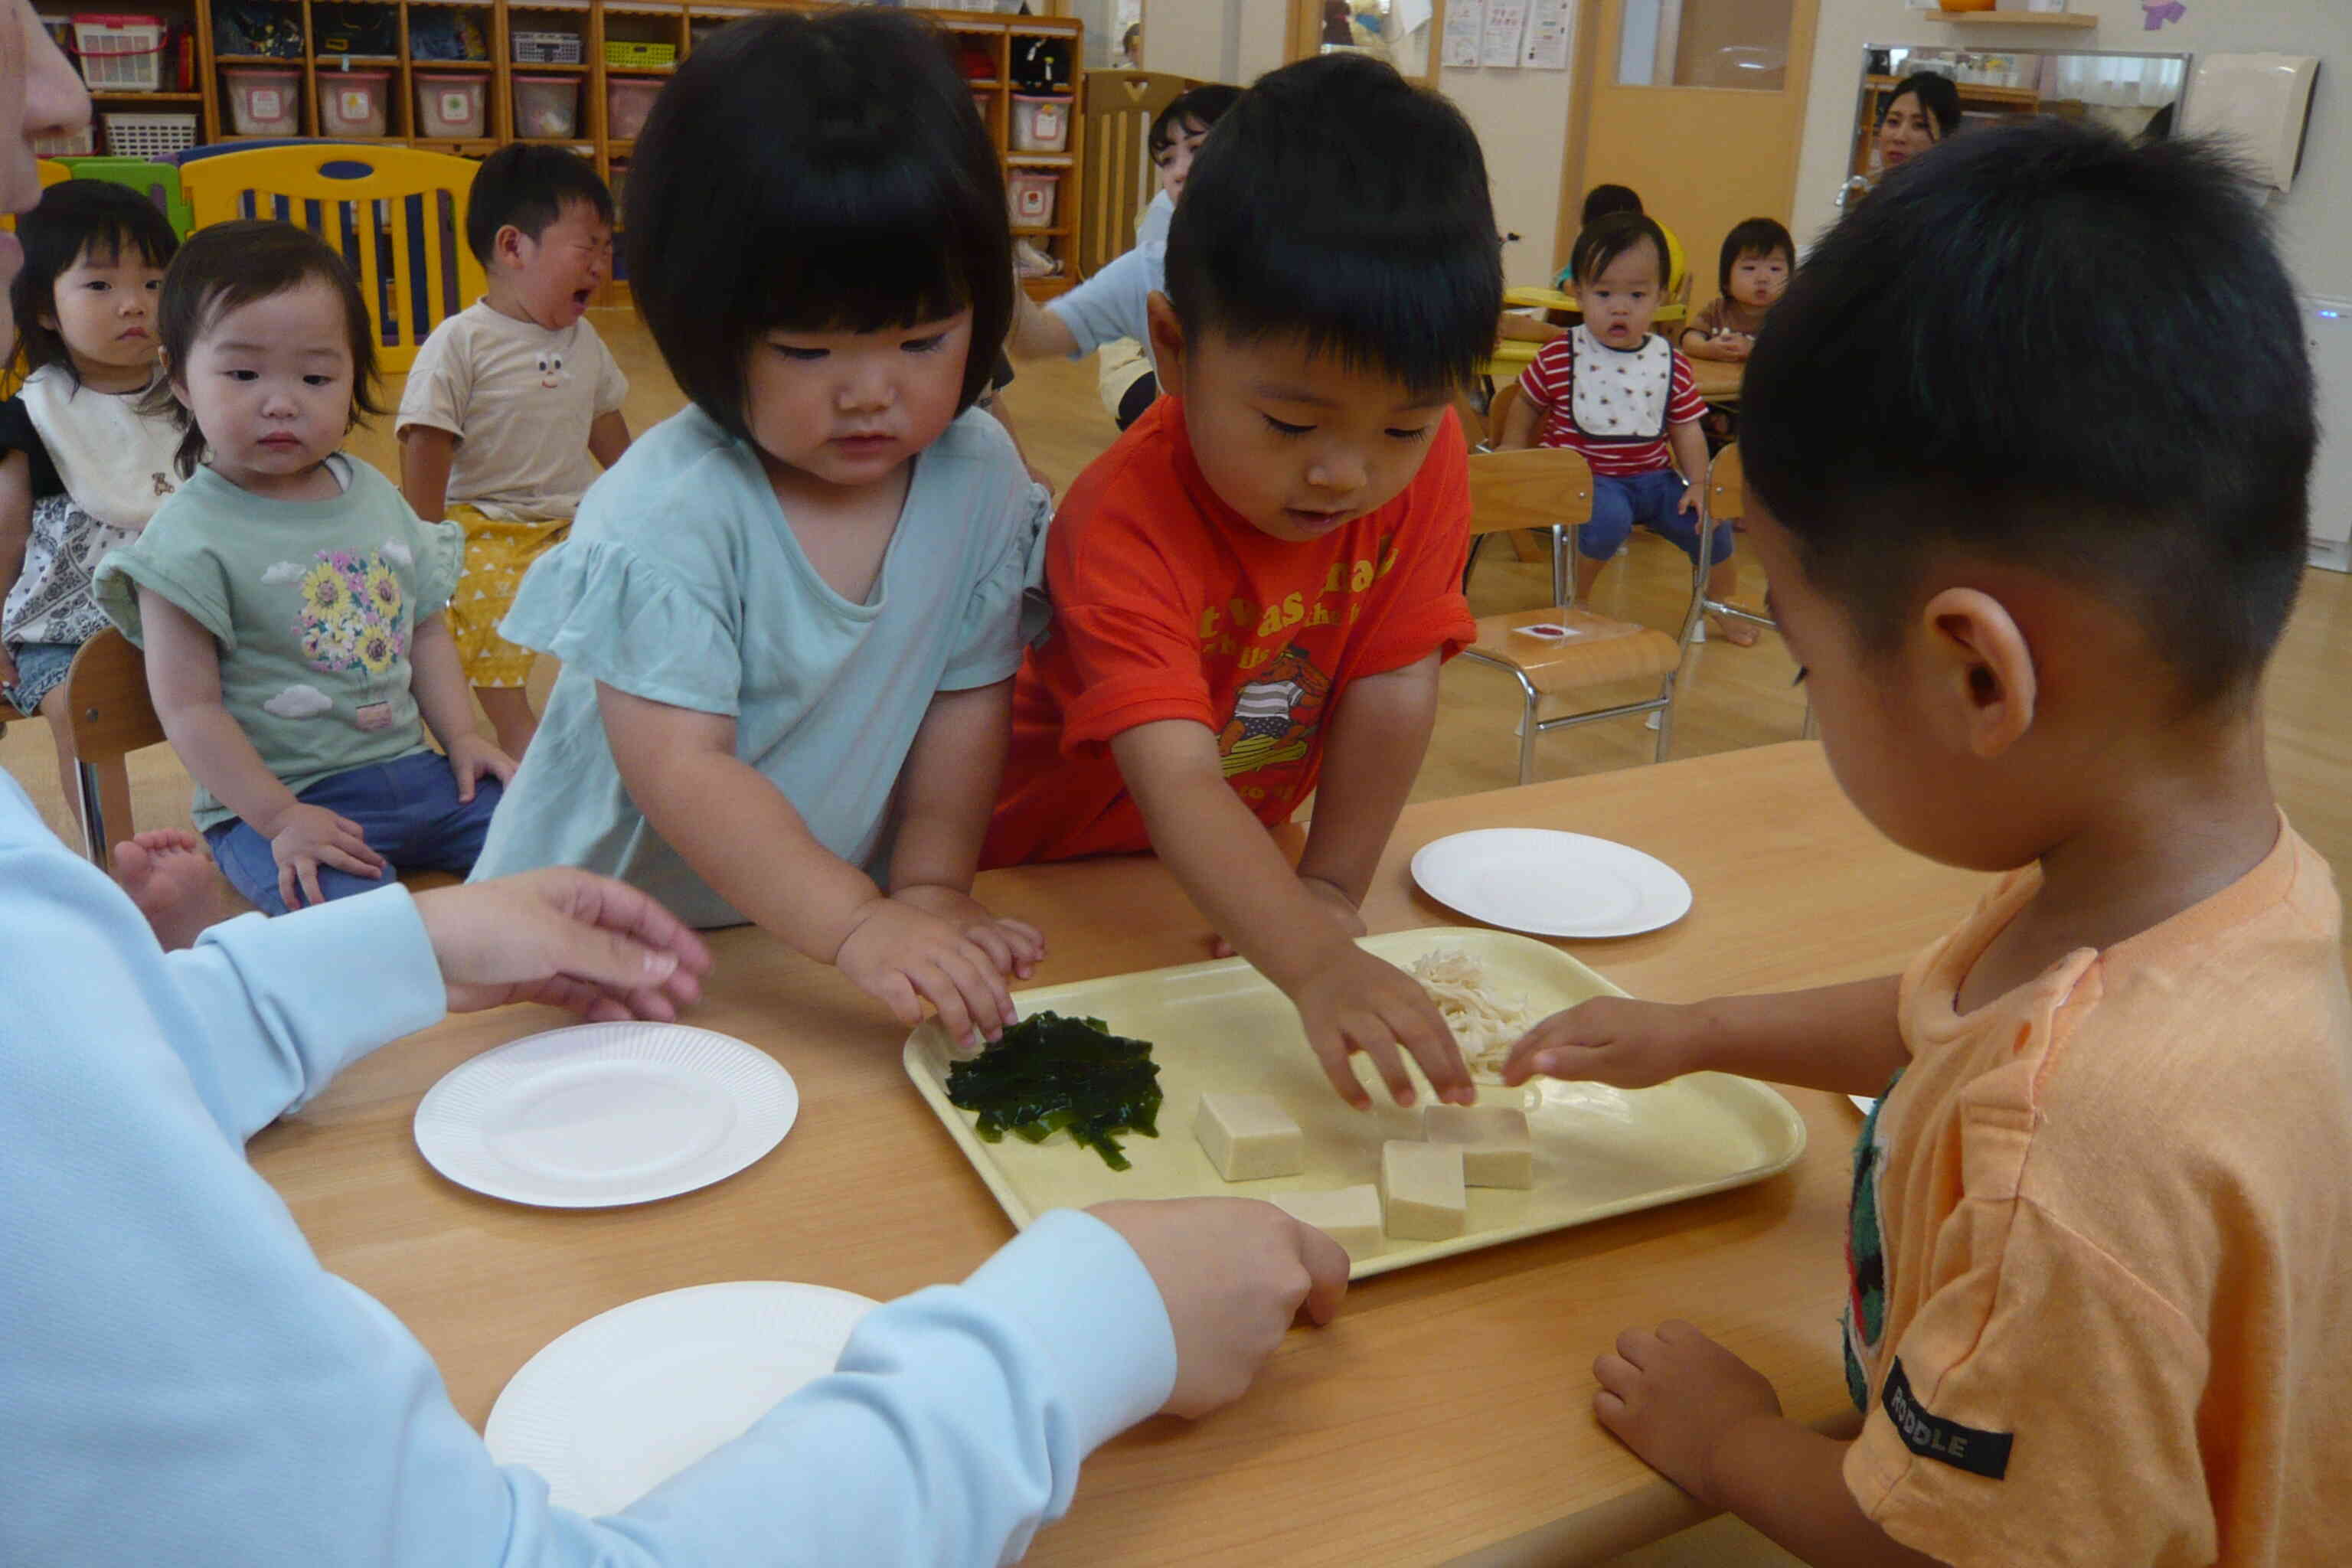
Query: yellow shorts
497,556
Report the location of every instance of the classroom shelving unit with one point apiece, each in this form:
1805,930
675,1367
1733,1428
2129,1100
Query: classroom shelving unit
980,36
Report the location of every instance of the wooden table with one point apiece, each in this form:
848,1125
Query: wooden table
1719,380
1446,1417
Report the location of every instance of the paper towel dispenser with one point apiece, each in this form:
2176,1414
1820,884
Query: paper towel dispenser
2262,101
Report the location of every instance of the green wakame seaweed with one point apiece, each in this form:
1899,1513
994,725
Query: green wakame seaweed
1048,1073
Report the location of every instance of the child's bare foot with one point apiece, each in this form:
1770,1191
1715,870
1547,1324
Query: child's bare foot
170,876
1738,634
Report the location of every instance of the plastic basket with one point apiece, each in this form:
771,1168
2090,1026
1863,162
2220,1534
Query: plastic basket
449,105
631,55
546,107
354,103
151,136
120,53
74,143
546,48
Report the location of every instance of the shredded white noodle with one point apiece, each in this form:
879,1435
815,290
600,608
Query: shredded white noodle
1486,1023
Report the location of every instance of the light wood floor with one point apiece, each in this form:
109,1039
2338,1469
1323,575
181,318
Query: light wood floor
1732,697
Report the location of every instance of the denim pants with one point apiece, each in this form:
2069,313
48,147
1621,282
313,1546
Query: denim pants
1650,499
408,808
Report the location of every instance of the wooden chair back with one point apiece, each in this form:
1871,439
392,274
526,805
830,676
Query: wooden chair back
1539,486
1498,410
1727,486
1118,182
396,215
108,715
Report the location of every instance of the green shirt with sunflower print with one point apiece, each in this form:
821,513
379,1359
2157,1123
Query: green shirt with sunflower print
312,605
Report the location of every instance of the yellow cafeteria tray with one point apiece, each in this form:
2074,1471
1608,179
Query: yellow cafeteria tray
1221,1026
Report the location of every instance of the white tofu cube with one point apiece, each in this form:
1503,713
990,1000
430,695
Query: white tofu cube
1497,1149
1350,1216
1249,1137
1421,1190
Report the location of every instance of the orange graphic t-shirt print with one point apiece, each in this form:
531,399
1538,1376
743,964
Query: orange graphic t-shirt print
1169,605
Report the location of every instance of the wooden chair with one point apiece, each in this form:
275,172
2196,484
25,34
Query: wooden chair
1725,500
1118,182
1551,488
108,716
398,215
1523,546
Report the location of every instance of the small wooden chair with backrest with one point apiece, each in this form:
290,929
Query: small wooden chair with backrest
396,215
1551,486
1498,415
108,715
1119,181
1725,501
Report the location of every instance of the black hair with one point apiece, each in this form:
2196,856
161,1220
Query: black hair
822,170
1201,106
1754,236
1935,94
78,218
1339,204
231,264
1602,200
1599,246
2043,345
529,187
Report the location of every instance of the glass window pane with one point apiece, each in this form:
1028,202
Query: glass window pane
1394,30
1738,44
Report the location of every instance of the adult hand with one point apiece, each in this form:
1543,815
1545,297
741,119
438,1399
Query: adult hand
1610,1039
1234,1274
566,938
309,837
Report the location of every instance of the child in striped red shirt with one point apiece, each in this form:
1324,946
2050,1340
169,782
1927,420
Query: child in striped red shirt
1626,400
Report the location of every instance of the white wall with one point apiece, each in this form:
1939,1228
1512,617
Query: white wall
2315,217
1520,116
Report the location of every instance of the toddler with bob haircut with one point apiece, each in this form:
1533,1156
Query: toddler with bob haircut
789,617
2097,1257
1255,587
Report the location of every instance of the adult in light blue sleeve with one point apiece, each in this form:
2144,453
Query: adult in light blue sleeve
182,1382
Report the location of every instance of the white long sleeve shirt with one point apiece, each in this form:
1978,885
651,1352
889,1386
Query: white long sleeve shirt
182,1382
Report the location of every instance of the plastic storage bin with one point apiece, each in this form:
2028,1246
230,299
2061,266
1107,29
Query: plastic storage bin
120,54
153,136
1040,124
264,101
546,107
1029,197
627,101
354,103
74,143
632,53
449,104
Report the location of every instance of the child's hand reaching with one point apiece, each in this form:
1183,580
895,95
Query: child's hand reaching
309,837
1359,1002
1674,1396
1610,1039
1016,946
470,757
1339,905
899,953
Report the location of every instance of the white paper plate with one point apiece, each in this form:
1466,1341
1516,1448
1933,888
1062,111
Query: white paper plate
616,1406
604,1114
1548,883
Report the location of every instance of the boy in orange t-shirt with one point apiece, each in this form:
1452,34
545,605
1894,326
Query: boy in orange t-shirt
1253,589
2101,1237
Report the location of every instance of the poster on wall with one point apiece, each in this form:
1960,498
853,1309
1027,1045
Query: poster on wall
1466,21
1550,23
1506,23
